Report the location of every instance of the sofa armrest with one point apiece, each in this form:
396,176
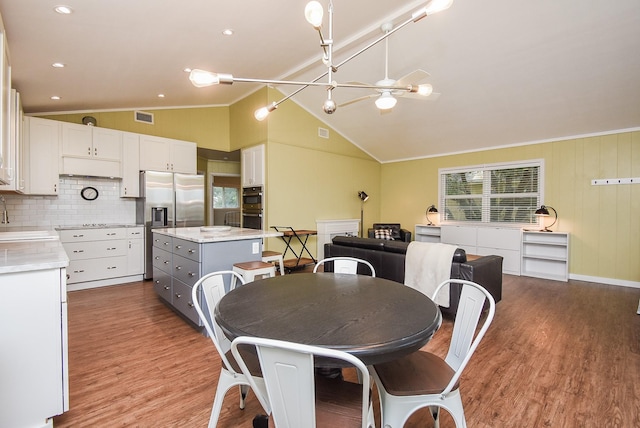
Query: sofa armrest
486,271
405,235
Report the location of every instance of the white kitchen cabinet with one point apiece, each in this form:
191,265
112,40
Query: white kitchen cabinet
100,256
166,154
40,150
34,368
426,233
545,255
13,156
253,166
130,166
89,150
135,250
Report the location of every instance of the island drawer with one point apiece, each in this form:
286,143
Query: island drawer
188,249
182,301
162,241
186,270
162,260
162,284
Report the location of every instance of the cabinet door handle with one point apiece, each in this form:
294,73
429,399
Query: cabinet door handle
166,243
178,267
78,236
190,304
89,151
191,274
78,271
78,251
166,262
178,295
166,287
191,251
111,234
111,248
112,267
178,247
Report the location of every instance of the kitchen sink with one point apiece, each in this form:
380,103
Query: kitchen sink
27,235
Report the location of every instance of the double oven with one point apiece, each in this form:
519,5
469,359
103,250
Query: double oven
252,208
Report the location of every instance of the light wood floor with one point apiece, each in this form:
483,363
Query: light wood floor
557,354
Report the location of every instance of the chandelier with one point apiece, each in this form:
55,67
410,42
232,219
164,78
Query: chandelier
314,13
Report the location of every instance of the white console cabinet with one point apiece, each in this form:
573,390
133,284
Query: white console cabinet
426,233
545,255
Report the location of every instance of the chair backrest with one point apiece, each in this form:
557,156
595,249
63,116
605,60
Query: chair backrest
345,265
212,286
463,344
288,373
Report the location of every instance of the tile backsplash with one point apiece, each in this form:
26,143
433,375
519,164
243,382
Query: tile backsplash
68,208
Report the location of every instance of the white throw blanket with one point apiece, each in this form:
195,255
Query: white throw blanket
426,266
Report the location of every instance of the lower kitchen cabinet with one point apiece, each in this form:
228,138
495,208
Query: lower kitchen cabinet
178,264
103,256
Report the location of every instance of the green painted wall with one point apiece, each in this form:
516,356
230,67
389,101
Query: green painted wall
602,220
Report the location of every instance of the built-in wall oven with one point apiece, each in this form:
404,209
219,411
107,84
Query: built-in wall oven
252,207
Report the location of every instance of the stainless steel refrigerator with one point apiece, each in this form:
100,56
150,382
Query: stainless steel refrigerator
168,200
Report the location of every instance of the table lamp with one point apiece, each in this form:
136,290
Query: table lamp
431,211
543,211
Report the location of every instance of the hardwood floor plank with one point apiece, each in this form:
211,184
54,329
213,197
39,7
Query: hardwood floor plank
557,354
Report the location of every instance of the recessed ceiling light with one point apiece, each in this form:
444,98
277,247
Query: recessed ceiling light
57,65
187,70
64,10
55,97
160,95
227,32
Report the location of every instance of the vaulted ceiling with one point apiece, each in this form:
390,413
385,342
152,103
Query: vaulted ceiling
508,71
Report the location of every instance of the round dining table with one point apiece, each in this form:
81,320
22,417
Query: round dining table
374,319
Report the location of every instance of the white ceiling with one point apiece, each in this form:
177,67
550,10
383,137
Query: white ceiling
508,71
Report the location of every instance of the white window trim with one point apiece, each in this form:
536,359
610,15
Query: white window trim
488,166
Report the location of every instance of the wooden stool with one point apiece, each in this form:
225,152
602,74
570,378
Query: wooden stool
249,271
274,256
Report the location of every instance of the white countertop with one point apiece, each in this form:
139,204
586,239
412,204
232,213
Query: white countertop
211,234
32,254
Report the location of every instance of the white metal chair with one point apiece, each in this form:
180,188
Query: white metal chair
423,379
212,286
345,265
301,400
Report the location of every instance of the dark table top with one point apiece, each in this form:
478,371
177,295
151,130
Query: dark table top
374,319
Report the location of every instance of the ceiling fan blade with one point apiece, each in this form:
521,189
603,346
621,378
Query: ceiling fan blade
355,100
413,78
415,96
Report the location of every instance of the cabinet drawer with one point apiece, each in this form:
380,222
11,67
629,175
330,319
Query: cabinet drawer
135,232
186,270
161,260
181,300
94,269
188,249
81,235
162,241
95,249
162,284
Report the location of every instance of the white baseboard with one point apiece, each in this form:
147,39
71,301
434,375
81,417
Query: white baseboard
103,282
609,281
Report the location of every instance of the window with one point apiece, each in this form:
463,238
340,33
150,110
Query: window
226,192
225,197
499,193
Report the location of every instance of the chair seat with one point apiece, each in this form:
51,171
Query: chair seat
250,358
252,265
419,373
338,403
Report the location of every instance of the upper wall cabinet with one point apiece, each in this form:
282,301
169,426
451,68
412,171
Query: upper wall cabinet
166,154
40,144
253,166
130,187
88,150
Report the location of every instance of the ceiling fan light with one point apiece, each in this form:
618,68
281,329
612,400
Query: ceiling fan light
425,89
386,101
437,6
314,13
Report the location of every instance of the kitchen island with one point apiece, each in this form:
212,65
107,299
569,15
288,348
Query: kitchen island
33,314
182,255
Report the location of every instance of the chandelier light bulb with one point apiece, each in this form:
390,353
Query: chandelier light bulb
314,12
425,89
202,78
386,101
262,113
438,6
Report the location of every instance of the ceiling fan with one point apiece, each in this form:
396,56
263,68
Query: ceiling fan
387,98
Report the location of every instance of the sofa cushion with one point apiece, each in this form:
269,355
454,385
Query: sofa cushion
383,234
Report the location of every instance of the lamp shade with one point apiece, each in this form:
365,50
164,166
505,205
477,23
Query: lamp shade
313,13
543,211
386,101
430,211
363,196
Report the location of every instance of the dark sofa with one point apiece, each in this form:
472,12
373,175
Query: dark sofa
388,258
